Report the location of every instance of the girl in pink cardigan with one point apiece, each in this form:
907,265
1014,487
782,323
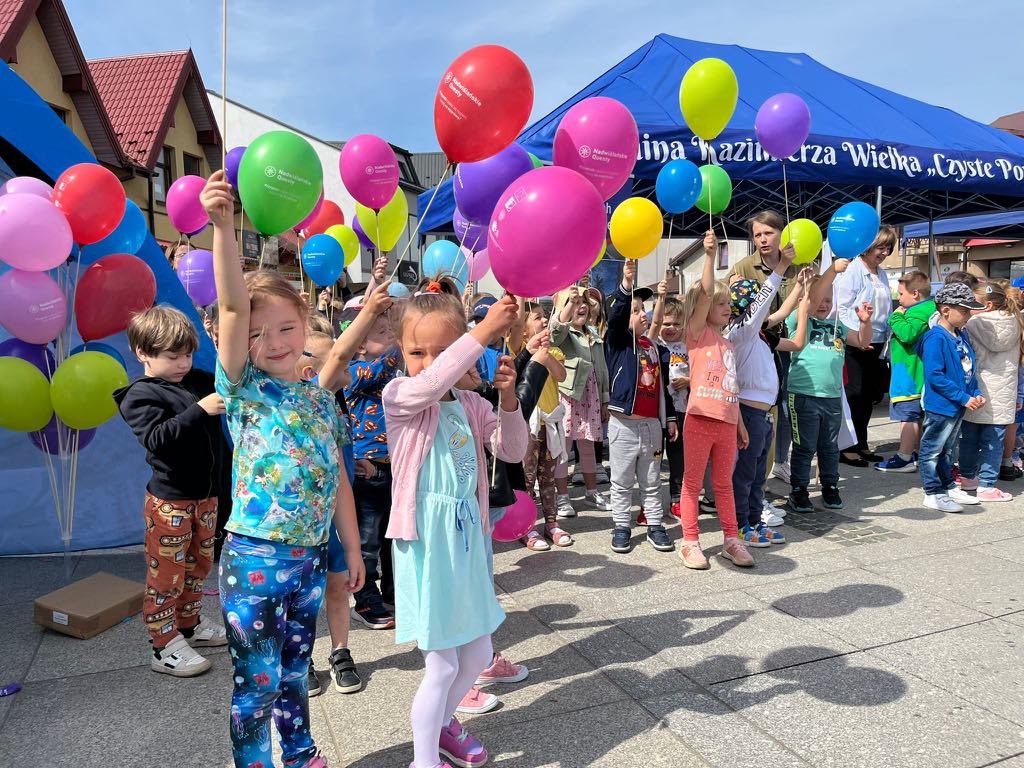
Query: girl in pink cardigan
444,595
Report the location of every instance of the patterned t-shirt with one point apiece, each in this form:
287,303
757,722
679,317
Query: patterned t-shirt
365,404
288,438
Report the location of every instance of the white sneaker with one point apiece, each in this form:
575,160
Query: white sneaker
781,471
772,520
564,507
598,501
961,496
602,475
941,502
178,659
208,635
768,507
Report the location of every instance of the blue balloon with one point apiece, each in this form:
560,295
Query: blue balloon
678,186
852,229
128,237
398,290
99,346
323,258
441,259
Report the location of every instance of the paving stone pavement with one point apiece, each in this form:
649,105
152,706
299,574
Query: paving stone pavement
882,635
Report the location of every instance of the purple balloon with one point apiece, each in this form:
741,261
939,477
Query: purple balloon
231,163
472,235
46,439
195,271
27,184
478,186
366,242
37,354
782,125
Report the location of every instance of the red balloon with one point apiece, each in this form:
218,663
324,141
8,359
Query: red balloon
482,103
93,200
111,292
330,214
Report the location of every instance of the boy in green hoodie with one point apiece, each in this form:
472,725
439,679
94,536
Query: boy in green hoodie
909,323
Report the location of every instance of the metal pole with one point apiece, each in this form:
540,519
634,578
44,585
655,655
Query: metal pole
932,255
878,202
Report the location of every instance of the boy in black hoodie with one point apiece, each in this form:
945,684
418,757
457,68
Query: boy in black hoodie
175,413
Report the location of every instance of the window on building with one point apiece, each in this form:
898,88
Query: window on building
193,165
61,113
164,174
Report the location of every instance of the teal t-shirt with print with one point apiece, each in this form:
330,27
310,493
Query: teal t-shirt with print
288,438
817,371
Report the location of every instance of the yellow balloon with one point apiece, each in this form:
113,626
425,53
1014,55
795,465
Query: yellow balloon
636,227
24,396
806,238
347,238
604,249
707,97
392,220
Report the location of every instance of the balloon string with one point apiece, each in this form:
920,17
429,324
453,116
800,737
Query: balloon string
224,92
302,277
668,257
419,222
785,190
263,252
376,221
497,424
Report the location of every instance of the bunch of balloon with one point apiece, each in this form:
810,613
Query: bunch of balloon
782,125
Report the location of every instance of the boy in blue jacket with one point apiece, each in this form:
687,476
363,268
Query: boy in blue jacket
950,389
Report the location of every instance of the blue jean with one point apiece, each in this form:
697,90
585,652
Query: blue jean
815,422
373,511
751,466
939,439
981,451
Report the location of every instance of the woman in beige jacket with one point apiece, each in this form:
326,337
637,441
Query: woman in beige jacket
996,334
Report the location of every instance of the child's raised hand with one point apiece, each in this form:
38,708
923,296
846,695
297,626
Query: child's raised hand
380,269
539,341
788,255
629,273
505,383
710,244
663,288
585,280
839,265
805,277
864,312
379,300
500,316
574,295
217,201
324,299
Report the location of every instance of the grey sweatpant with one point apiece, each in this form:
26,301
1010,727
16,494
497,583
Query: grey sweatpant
634,449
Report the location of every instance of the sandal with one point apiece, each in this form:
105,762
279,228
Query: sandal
558,536
534,542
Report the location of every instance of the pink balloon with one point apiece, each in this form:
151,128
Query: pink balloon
518,520
545,231
479,264
598,138
183,207
369,170
34,234
312,214
28,185
32,306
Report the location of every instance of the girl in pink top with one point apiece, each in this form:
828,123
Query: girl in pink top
713,427
444,594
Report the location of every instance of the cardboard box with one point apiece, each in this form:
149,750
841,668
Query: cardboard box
89,606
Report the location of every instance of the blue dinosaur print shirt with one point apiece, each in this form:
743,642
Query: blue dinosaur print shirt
365,404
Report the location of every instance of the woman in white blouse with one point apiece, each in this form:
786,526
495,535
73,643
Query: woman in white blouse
867,373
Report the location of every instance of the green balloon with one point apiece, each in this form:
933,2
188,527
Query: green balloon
82,389
24,396
537,162
279,180
716,190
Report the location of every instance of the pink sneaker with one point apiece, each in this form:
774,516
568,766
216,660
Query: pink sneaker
993,494
476,702
735,551
968,483
460,747
502,671
439,765
315,762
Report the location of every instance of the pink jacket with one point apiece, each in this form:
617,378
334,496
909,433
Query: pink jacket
411,413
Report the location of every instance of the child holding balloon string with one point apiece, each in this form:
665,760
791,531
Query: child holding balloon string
289,484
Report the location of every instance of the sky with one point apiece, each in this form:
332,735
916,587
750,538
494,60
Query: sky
336,69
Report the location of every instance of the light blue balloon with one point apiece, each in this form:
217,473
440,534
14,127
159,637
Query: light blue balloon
398,290
852,229
323,259
678,186
127,237
99,346
442,259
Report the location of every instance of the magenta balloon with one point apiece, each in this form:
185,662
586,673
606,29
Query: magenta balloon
183,207
34,234
782,124
195,271
471,234
312,214
479,265
545,231
478,186
28,185
598,138
363,239
369,170
519,519
32,306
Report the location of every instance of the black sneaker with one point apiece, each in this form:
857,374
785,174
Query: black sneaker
374,616
707,506
343,672
799,501
1010,473
314,682
830,497
658,538
622,540
859,461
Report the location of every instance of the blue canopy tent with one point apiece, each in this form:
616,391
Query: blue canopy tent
925,161
1009,224
112,471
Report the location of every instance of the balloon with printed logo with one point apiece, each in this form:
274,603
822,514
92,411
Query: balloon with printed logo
470,233
110,293
482,103
99,346
805,236
93,200
34,235
347,239
678,186
442,259
82,389
47,439
323,259
32,306
279,180
366,242
26,185
369,170
24,396
183,207
231,163
312,215
598,139
545,231
477,186
782,124
37,354
852,229
707,97
636,227
388,223
128,237
479,264
328,215
195,273
715,189
518,520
